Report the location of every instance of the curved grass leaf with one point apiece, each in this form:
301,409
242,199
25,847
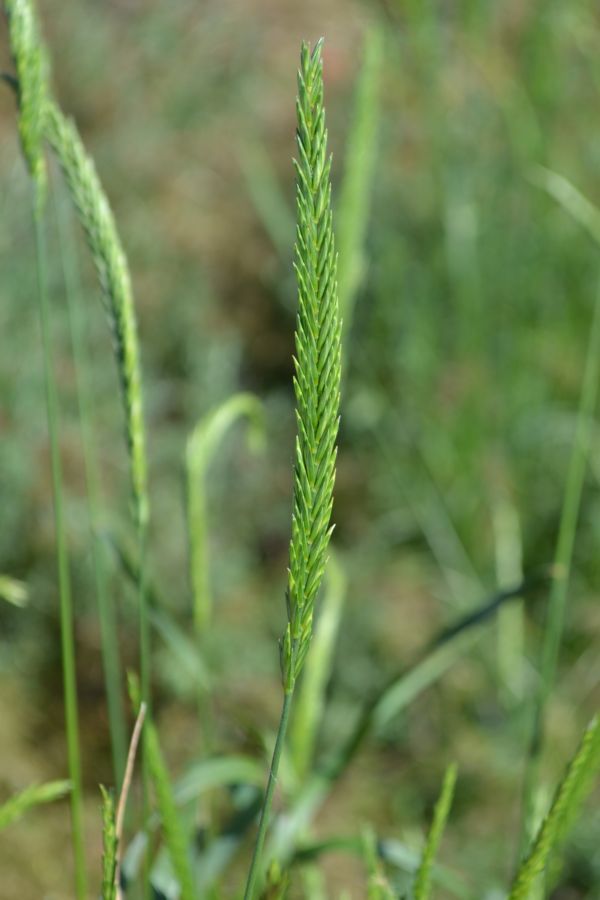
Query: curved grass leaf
202,446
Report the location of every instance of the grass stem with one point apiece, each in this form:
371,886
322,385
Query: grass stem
254,873
64,581
106,609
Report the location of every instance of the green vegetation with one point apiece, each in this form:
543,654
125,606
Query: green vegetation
444,380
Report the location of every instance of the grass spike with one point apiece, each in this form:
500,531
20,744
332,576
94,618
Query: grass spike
567,802
109,844
34,795
32,78
317,365
317,388
109,258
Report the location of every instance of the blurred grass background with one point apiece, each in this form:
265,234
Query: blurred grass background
463,369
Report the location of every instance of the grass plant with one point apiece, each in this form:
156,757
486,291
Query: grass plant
31,88
408,356
317,389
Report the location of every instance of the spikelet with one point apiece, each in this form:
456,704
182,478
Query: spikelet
317,364
32,73
109,258
109,844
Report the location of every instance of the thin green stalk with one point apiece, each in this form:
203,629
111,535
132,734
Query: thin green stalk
64,580
423,879
106,608
31,88
269,793
562,569
144,693
359,167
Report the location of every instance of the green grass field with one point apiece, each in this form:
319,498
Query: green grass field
458,618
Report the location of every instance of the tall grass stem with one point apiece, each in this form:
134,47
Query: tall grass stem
64,579
254,873
109,635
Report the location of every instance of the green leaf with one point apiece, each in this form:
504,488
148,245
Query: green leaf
359,168
202,446
423,878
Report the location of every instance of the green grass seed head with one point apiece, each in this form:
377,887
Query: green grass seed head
317,364
109,258
32,73
110,846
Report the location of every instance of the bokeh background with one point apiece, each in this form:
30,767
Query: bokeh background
463,367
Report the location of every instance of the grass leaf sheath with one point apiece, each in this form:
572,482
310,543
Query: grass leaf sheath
317,389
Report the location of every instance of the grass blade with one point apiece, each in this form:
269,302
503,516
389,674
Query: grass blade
422,889
359,168
202,446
